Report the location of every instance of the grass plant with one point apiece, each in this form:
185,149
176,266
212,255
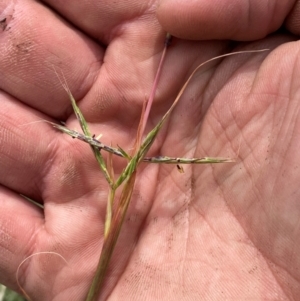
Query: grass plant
117,208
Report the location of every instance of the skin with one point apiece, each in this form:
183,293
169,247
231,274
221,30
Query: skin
215,232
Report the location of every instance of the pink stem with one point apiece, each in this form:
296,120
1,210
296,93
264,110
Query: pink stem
154,86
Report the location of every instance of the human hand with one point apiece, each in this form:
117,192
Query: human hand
214,232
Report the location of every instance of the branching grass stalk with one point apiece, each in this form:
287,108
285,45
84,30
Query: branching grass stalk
121,153
116,212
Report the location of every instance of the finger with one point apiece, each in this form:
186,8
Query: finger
293,21
20,222
23,146
103,21
237,20
38,161
34,42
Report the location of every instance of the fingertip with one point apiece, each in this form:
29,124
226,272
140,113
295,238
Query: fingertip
198,20
219,19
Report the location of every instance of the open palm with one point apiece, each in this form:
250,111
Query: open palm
215,232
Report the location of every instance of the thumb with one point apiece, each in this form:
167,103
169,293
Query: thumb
242,20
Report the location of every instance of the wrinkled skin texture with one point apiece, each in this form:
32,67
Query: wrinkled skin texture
216,232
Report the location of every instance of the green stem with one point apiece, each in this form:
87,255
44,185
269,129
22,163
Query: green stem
111,240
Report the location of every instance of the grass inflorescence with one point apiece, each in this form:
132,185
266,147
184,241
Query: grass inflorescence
116,209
